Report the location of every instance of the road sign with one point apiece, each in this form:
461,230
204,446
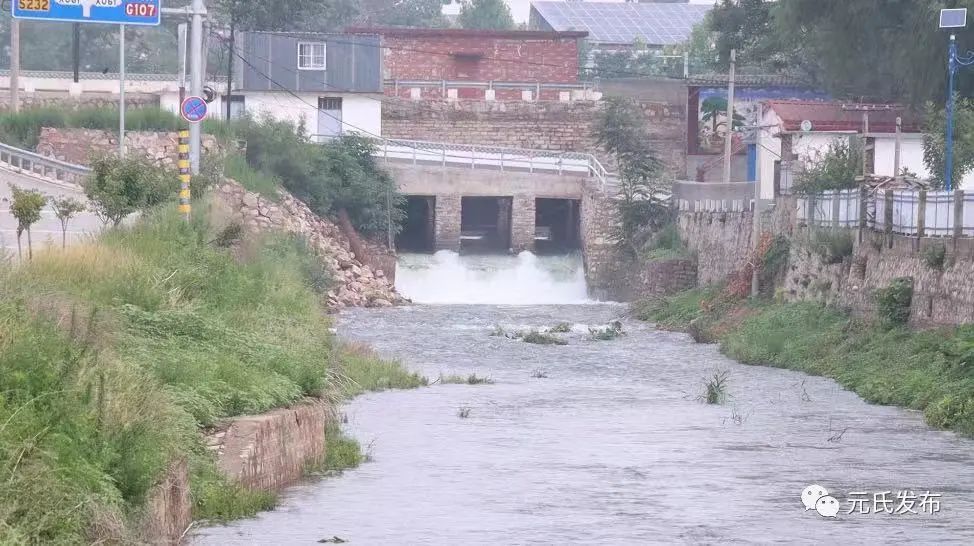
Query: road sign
120,12
193,109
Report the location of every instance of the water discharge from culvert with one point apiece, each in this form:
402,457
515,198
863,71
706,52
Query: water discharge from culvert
526,279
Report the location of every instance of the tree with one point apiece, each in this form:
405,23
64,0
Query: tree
65,208
935,138
405,13
834,169
26,208
486,15
640,208
118,187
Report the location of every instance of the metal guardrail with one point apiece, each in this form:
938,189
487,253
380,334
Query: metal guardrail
48,168
498,158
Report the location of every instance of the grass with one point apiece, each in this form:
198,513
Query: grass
607,333
561,328
114,353
22,129
542,338
235,166
931,371
472,379
716,387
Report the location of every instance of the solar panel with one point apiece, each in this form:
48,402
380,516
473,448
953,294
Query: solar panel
655,24
953,18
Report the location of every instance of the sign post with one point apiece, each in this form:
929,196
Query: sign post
118,12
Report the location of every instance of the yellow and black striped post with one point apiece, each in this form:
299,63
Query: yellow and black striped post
184,174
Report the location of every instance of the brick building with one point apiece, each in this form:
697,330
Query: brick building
432,56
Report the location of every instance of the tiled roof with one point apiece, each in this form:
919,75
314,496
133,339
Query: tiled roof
843,116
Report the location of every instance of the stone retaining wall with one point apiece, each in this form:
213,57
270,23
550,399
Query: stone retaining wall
79,146
169,508
272,450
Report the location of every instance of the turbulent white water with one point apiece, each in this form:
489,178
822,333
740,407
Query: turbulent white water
447,277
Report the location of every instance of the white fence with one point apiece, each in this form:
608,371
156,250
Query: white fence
904,212
713,197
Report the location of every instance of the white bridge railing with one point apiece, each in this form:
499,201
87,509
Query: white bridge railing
48,168
496,158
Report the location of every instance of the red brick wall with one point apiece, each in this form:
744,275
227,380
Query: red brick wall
480,59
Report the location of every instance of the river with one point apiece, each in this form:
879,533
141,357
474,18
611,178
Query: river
613,446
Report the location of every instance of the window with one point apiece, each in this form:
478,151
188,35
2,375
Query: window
311,56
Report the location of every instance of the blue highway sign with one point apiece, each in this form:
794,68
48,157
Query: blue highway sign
193,109
121,12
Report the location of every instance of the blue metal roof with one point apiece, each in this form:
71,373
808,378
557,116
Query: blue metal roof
623,23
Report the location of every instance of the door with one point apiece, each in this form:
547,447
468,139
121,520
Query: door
329,117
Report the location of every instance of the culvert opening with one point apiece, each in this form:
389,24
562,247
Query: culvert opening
418,231
557,226
485,224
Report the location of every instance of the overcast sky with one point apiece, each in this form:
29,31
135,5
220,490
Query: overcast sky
520,8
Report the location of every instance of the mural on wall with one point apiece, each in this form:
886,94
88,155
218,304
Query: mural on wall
711,109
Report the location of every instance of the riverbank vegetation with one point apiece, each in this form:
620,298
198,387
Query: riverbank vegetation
115,354
883,361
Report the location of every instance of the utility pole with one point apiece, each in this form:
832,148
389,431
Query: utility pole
728,140
76,51
230,59
15,65
196,80
896,151
865,144
121,91
181,48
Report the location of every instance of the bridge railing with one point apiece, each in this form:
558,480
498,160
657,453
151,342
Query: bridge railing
420,152
48,168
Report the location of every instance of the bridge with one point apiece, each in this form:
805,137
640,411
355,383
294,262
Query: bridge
487,197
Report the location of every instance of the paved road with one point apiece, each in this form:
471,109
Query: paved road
48,229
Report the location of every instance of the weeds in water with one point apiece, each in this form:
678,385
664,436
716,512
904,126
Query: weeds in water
498,331
542,338
561,328
607,333
716,392
737,417
836,436
463,412
472,379
805,396
539,374
341,453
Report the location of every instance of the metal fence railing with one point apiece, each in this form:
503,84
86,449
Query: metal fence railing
498,158
48,168
713,197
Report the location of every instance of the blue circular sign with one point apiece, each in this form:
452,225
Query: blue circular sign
193,109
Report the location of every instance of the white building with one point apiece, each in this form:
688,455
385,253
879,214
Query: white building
806,128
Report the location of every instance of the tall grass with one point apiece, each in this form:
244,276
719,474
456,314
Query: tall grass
113,354
22,129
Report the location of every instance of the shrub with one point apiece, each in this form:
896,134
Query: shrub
773,262
894,301
22,129
832,246
26,208
540,338
836,168
935,256
118,187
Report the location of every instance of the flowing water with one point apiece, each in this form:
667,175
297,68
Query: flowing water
613,446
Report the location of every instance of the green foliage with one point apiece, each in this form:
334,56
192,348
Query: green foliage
236,167
716,387
485,15
773,263
22,129
65,208
118,187
607,333
894,301
561,328
411,13
26,208
665,244
935,137
472,379
677,311
832,245
542,338
640,208
935,256
96,404
834,169
341,452
340,174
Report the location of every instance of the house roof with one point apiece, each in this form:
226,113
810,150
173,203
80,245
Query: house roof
624,23
842,116
403,32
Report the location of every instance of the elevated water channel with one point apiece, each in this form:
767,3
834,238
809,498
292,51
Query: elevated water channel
613,446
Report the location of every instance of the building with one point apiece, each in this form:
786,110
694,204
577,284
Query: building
460,63
330,83
618,26
800,130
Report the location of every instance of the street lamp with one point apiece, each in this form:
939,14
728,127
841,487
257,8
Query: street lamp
952,18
